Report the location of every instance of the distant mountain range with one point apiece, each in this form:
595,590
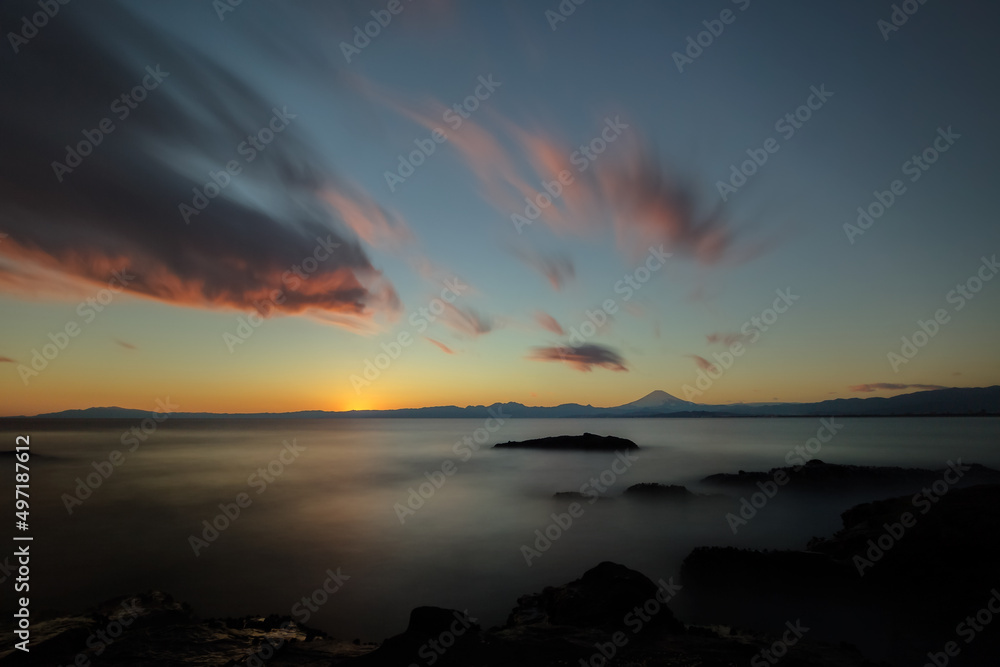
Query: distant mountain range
957,401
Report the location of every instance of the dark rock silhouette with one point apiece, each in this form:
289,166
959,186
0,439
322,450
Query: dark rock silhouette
585,442
651,491
576,496
601,598
896,580
815,475
582,620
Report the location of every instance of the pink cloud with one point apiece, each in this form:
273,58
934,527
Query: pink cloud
444,348
557,269
703,363
549,323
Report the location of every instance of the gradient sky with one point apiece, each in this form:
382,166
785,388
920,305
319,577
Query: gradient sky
506,337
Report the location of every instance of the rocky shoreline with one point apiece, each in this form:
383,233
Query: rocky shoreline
890,575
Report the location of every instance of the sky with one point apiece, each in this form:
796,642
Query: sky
264,206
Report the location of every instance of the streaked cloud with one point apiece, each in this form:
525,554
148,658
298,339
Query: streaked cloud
466,320
891,386
119,209
582,358
703,363
444,348
558,269
726,339
549,323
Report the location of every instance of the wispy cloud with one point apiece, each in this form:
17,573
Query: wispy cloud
558,269
7,360
466,320
549,323
891,386
127,346
444,348
372,223
627,189
582,358
703,363
726,339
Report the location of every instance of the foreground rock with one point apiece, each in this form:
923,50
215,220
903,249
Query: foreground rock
587,442
153,630
610,615
902,578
